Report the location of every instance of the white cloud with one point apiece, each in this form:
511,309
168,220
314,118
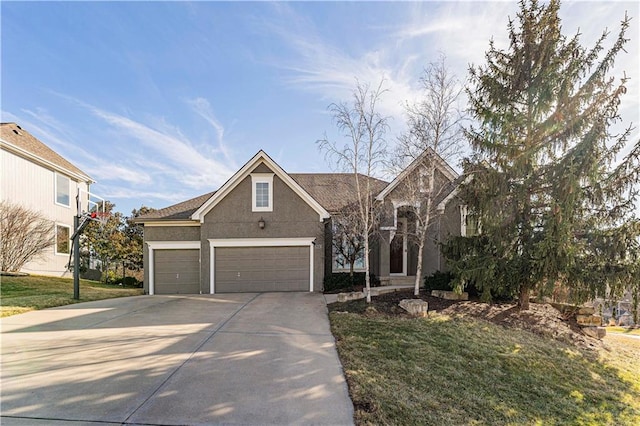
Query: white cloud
461,30
192,167
107,171
203,108
116,192
331,71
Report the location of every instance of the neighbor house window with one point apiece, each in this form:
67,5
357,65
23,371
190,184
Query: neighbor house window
262,192
63,244
62,190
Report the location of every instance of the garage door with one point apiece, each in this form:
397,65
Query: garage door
177,271
257,269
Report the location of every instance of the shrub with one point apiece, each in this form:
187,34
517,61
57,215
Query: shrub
128,282
444,281
343,281
438,281
109,276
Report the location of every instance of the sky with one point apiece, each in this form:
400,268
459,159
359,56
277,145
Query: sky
160,102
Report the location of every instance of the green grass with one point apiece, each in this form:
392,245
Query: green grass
624,330
464,371
23,294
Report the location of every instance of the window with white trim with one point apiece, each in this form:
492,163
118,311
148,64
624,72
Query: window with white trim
63,243
262,192
340,262
347,246
468,223
62,190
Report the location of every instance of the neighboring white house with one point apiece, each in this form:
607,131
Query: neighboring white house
36,177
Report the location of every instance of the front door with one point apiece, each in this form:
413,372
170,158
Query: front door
398,250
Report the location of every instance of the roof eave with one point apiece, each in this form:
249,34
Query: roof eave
37,159
244,171
441,165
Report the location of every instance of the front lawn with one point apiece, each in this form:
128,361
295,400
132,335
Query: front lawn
624,330
23,294
462,370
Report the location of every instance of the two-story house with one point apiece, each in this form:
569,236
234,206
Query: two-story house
36,177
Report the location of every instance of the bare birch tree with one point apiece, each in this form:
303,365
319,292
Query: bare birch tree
348,243
363,154
24,236
434,136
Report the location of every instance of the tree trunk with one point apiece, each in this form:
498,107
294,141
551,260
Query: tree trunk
523,300
416,290
367,278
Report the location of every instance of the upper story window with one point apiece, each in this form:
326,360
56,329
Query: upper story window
62,190
262,192
468,223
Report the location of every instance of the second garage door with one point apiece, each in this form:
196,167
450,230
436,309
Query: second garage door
258,269
177,271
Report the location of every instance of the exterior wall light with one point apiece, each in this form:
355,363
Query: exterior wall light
261,223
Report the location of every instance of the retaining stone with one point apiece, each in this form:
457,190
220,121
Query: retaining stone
450,295
595,332
345,297
415,307
587,310
589,320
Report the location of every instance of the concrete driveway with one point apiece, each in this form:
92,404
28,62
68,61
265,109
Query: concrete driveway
264,358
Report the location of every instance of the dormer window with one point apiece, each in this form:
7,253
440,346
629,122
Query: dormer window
262,192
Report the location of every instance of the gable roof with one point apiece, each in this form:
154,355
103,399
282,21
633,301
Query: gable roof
260,158
16,139
180,211
334,190
441,165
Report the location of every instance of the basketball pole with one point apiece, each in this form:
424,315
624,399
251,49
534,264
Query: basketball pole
76,258
80,222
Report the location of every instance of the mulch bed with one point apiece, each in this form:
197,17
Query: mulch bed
387,304
541,319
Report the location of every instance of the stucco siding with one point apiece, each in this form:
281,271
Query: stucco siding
448,224
291,217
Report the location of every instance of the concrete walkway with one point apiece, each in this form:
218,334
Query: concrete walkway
168,360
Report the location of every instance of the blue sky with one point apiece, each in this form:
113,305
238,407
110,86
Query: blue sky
163,101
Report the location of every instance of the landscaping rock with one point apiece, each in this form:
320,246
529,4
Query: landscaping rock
595,332
415,307
586,310
589,320
345,297
450,295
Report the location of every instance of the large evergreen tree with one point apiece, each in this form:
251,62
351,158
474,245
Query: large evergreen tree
552,190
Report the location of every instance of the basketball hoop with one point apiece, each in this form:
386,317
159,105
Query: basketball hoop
101,217
90,208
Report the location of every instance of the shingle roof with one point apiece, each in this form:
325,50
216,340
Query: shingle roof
180,211
332,190
15,135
